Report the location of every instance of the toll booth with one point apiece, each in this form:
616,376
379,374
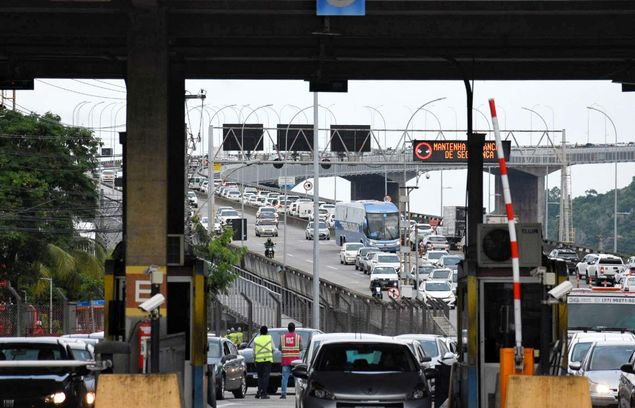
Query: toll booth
485,311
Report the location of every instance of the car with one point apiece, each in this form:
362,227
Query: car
601,366
434,345
439,290
205,223
271,211
233,195
441,274
192,199
348,371
581,342
229,367
450,261
246,197
626,387
606,267
59,383
323,231
628,283
364,263
385,259
349,252
361,252
219,209
204,186
434,256
323,215
253,199
108,176
583,265
421,230
568,255
436,242
317,340
424,271
266,226
246,350
226,216
384,276
328,207
454,283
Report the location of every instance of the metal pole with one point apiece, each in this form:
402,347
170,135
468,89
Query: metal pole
155,328
441,210
50,305
547,204
417,259
316,221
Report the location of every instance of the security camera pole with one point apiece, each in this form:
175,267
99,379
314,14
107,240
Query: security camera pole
156,278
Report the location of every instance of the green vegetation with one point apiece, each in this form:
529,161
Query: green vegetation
593,218
45,187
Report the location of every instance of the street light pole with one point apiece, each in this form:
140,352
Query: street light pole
615,180
385,147
50,280
316,219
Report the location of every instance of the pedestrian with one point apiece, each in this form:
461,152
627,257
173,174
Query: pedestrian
38,330
291,346
240,336
263,356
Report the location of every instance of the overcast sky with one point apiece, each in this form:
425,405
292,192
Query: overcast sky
562,104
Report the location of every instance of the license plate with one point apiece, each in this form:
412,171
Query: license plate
255,376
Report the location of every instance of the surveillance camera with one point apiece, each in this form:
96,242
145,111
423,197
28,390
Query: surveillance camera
153,303
560,291
427,175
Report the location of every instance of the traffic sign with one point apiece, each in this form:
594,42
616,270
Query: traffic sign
394,293
307,185
439,151
341,7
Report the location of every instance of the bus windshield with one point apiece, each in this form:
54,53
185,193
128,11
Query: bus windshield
382,226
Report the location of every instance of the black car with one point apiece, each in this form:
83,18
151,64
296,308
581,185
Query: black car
568,255
43,372
230,368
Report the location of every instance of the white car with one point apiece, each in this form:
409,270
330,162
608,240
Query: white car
270,210
233,195
323,215
434,256
225,216
436,242
349,252
439,290
628,283
606,267
192,199
441,274
266,226
422,230
583,265
323,231
205,223
385,259
581,342
385,277
433,345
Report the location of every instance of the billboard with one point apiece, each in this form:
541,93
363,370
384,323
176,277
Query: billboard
249,136
298,138
443,151
352,138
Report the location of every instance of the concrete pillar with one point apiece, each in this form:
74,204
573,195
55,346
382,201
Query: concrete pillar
147,155
528,194
371,187
176,150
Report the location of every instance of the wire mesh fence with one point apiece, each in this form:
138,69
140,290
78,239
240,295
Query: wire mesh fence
46,319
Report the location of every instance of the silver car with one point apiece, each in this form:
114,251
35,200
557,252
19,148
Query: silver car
323,231
602,367
360,373
266,226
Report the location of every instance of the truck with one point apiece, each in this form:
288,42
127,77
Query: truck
454,224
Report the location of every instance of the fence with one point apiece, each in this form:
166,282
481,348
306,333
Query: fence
272,293
41,319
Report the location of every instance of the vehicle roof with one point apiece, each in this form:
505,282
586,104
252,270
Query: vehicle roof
613,343
328,336
436,281
33,340
436,251
420,336
374,340
584,337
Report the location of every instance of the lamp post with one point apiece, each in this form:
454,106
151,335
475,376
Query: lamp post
385,144
50,280
615,179
242,180
78,106
546,228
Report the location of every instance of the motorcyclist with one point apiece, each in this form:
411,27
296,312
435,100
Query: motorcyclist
269,245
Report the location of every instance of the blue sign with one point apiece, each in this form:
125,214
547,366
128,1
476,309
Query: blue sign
341,7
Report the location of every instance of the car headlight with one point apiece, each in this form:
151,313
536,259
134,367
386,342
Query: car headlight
318,391
57,398
90,397
597,388
420,392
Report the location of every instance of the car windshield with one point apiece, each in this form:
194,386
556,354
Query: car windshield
451,260
579,351
267,210
426,269
437,239
229,213
382,226
387,258
611,261
353,247
384,270
31,351
82,355
370,254
430,347
365,357
610,357
437,287
435,255
266,221
364,251
214,350
441,274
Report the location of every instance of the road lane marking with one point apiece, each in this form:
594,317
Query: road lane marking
309,260
331,267
288,254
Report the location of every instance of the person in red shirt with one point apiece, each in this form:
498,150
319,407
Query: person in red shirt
291,347
38,330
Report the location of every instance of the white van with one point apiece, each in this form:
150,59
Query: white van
304,209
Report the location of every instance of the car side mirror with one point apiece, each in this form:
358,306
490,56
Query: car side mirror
242,346
575,365
627,368
300,371
448,356
295,363
426,359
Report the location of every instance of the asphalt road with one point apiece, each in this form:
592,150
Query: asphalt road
250,401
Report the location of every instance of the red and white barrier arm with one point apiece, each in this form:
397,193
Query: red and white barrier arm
511,223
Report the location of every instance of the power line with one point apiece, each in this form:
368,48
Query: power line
106,82
97,86
80,93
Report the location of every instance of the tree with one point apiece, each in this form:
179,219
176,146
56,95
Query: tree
45,186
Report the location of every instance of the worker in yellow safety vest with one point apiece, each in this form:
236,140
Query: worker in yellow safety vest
263,356
291,347
239,336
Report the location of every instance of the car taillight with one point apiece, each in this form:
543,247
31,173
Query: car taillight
601,269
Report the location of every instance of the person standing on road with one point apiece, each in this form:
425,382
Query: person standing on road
263,356
291,346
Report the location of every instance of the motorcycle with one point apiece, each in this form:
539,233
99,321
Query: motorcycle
377,293
269,252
